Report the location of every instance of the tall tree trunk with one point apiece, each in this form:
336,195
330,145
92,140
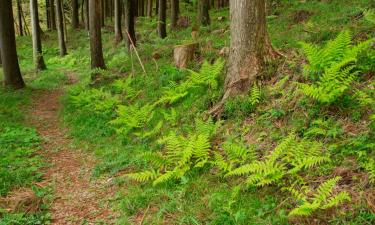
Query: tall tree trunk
157,7
37,43
162,23
102,13
129,23
60,28
53,14
48,13
203,12
141,7
118,32
175,8
250,48
87,22
75,18
19,17
8,51
97,60
149,8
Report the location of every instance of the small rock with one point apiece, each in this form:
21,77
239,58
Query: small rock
220,18
220,31
224,51
194,34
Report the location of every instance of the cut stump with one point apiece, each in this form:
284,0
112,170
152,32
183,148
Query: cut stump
183,54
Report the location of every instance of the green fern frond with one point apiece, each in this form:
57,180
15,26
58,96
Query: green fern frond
164,178
143,176
255,95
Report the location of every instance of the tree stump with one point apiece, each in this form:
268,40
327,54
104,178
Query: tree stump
183,54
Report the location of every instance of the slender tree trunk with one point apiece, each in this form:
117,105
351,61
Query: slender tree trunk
1,62
75,18
162,23
129,23
141,7
37,43
118,32
157,7
175,8
102,14
19,17
60,28
53,14
48,13
149,8
97,60
203,12
87,22
8,50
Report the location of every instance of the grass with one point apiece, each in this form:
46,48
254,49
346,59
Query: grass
201,196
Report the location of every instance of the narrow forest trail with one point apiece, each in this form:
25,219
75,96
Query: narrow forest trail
77,199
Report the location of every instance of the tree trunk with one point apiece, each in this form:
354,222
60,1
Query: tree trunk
157,7
102,14
129,23
175,8
149,8
60,28
162,23
8,51
53,15
48,13
75,18
203,12
19,17
37,43
97,60
141,8
118,32
87,22
250,48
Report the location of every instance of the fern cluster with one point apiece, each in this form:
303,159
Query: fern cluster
130,117
206,76
332,67
96,100
321,198
287,159
123,86
181,154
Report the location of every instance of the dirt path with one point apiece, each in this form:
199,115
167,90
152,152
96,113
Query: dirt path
78,200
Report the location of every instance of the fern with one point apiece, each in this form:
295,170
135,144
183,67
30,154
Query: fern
332,67
255,95
321,198
143,176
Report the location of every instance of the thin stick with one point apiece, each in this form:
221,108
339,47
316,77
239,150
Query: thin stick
136,52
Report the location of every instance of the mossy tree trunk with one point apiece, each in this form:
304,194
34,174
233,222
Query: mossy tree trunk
8,50
60,28
162,23
97,59
37,43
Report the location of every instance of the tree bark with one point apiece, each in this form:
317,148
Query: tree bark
149,8
8,50
162,23
130,8
37,43
250,48
87,22
53,14
48,13
203,12
75,15
97,60
118,32
19,17
175,8
60,28
141,8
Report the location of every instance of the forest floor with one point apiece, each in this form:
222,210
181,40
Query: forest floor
77,199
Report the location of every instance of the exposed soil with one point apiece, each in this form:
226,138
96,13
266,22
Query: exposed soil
78,198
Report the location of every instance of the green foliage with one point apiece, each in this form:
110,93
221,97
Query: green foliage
124,87
321,198
207,76
181,155
285,161
332,67
131,117
323,128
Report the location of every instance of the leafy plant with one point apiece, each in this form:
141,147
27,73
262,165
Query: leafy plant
320,198
323,128
332,67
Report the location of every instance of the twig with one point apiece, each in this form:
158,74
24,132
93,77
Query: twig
144,215
136,52
156,64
